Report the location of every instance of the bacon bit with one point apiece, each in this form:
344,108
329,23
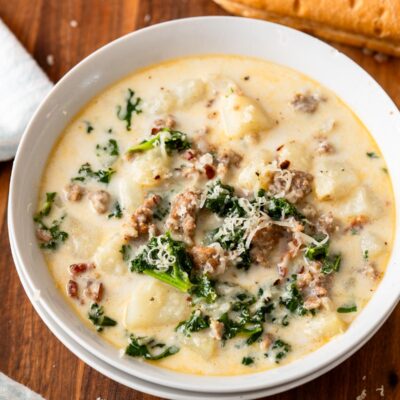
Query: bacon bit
77,269
210,103
217,329
157,177
154,131
284,164
280,147
210,171
94,290
43,235
189,155
266,342
72,289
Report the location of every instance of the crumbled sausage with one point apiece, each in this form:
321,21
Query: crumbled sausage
72,289
306,102
43,235
182,217
77,269
94,290
217,329
169,122
326,223
210,260
226,159
264,242
74,192
324,147
143,216
312,302
293,185
100,201
311,281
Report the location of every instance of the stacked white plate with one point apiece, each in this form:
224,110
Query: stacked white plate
204,35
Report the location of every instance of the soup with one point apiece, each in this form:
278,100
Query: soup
216,215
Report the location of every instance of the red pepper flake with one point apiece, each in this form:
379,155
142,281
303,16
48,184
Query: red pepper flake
77,269
154,131
210,171
285,164
72,289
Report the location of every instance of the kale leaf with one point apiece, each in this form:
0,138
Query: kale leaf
203,288
173,141
45,211
195,323
165,259
220,199
116,212
85,172
110,149
347,309
280,350
320,252
292,298
247,360
132,106
141,347
96,315
279,208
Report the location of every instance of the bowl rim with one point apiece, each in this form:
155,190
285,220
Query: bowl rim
320,360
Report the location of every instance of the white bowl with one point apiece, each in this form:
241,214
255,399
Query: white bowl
205,35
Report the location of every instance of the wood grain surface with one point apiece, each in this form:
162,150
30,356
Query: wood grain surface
29,353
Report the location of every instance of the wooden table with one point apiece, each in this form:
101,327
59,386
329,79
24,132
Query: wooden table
29,353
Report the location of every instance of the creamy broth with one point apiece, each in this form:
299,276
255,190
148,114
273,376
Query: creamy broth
276,198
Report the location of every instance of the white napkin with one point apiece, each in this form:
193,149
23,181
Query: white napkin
11,390
23,85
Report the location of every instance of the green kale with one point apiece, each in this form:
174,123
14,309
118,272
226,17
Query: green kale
203,288
96,315
292,298
116,212
366,255
89,126
280,208
372,154
161,210
247,360
142,347
126,251
195,323
280,350
110,149
165,259
173,141
220,200
347,309
85,172
320,252
244,320
132,106
45,211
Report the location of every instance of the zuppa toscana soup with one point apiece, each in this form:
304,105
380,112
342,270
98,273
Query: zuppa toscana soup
216,215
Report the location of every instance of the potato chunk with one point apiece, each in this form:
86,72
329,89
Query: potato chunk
297,154
242,115
108,257
190,91
155,304
372,244
333,179
361,203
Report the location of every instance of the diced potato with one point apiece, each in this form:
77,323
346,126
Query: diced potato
129,196
82,241
190,92
297,154
361,203
108,257
323,326
153,304
150,167
242,115
163,103
333,179
255,175
202,344
372,243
